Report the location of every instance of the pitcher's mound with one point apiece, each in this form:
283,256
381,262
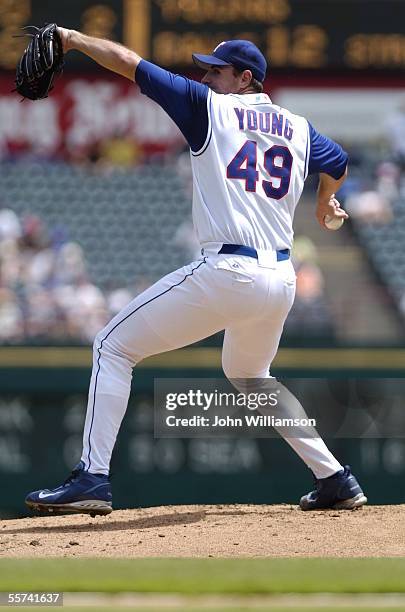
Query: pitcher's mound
211,531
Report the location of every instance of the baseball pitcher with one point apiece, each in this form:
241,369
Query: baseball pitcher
249,159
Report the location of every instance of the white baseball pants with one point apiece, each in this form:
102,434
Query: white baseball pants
248,298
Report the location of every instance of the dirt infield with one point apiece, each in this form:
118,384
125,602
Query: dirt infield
210,531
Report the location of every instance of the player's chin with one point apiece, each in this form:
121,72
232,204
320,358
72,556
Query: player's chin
217,90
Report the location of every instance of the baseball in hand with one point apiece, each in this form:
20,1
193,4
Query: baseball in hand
333,223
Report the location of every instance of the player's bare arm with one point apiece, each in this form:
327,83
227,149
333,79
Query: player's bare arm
109,54
327,204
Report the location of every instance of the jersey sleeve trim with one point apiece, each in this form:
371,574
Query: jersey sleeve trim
307,153
209,131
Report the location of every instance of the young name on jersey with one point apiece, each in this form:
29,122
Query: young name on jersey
266,123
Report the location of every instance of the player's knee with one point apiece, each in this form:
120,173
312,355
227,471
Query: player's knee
234,372
230,371
104,343
109,345
99,340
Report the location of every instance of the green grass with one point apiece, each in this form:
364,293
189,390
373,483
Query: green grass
164,575
220,609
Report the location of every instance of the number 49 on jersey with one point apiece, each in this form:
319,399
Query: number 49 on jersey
277,163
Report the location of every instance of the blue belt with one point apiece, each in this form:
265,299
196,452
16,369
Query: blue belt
240,249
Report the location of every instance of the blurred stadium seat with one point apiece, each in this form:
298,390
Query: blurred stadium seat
123,219
384,243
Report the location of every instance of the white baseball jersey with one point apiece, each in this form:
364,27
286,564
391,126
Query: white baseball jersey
250,159
250,172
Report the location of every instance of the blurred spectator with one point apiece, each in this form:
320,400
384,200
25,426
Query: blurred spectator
84,307
33,233
44,290
10,263
388,180
402,305
395,134
369,207
118,299
70,264
119,151
310,283
304,251
185,238
11,317
10,226
310,308
38,266
41,317
83,155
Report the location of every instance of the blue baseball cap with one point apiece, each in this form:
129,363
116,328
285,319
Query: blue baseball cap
242,54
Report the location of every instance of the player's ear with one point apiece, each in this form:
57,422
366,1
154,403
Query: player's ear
246,78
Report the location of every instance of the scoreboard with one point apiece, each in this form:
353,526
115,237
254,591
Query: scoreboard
293,34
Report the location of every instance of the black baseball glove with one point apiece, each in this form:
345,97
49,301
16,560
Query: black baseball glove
41,62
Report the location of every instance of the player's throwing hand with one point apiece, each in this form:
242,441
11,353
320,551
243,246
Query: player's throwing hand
330,212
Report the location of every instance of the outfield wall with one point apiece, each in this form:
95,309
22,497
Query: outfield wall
42,407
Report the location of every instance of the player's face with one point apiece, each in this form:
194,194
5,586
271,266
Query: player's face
222,79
